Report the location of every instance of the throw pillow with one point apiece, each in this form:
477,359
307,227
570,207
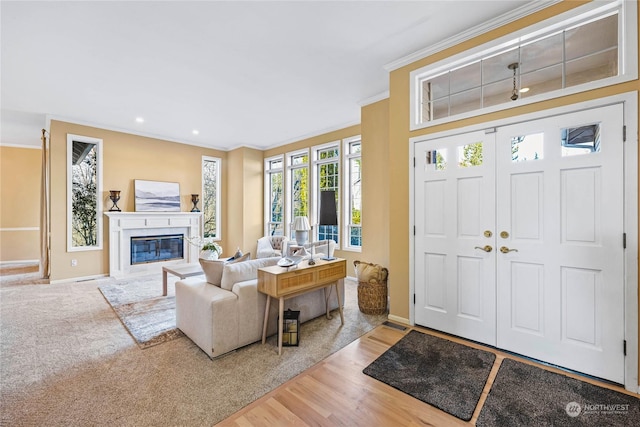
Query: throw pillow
264,248
244,257
370,273
212,270
241,271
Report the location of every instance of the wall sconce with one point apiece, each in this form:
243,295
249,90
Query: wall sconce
301,227
195,199
328,214
114,195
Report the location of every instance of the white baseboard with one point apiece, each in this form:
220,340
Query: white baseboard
23,261
398,319
78,279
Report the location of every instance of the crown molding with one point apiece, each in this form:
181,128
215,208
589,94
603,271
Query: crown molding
312,135
374,99
485,27
128,131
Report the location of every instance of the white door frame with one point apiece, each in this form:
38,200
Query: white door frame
630,102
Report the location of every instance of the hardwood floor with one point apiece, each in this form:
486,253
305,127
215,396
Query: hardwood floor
335,392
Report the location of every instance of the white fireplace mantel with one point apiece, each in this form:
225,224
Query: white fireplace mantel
123,225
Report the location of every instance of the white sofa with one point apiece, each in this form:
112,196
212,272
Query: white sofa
219,319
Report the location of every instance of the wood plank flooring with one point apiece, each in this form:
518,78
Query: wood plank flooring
335,392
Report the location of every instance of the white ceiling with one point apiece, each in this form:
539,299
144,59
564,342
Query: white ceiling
259,74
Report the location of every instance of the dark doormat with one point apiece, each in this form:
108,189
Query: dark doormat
439,372
525,395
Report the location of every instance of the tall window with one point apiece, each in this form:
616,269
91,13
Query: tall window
353,194
211,196
327,177
274,174
298,167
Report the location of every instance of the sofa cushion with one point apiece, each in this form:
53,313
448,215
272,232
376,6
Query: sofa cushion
241,271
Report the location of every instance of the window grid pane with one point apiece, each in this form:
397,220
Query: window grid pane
586,53
276,202
353,227
210,176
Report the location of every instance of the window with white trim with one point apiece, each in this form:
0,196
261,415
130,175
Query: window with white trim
211,196
274,197
298,186
353,194
326,163
580,50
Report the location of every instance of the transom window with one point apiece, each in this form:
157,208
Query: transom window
547,60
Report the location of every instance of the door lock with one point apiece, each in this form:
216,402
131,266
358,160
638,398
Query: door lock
488,233
487,248
504,234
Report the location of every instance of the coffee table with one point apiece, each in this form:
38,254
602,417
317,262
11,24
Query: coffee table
180,270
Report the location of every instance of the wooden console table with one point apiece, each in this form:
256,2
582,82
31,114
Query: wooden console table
282,283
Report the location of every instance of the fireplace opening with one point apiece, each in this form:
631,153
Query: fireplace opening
146,249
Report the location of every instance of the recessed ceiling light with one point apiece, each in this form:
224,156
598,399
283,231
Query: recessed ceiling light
524,90
195,131
139,120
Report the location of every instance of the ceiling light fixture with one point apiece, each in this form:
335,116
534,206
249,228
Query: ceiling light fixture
139,120
514,93
195,131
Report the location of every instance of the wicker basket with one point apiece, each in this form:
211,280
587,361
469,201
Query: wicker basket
372,287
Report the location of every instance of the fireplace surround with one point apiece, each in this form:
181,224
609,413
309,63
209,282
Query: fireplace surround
125,225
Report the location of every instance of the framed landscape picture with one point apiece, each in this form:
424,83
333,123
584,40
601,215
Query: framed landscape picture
157,196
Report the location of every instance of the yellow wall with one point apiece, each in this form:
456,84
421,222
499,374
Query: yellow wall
399,86
244,205
375,184
20,174
126,157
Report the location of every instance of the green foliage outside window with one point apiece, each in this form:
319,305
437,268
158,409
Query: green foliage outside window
210,200
84,201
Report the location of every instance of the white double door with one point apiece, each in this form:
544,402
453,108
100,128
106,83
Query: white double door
519,239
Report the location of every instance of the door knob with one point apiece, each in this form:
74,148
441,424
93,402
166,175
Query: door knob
487,248
506,250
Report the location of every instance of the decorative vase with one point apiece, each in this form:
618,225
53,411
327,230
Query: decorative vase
209,254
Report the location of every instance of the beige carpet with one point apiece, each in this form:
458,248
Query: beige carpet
67,360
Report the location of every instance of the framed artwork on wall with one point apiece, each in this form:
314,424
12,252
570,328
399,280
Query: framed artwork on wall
157,196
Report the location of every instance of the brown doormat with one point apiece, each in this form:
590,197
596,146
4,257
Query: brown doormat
525,395
437,371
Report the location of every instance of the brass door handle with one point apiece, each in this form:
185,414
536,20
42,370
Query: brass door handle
506,250
487,248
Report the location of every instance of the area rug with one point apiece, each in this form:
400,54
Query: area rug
526,395
437,371
149,317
